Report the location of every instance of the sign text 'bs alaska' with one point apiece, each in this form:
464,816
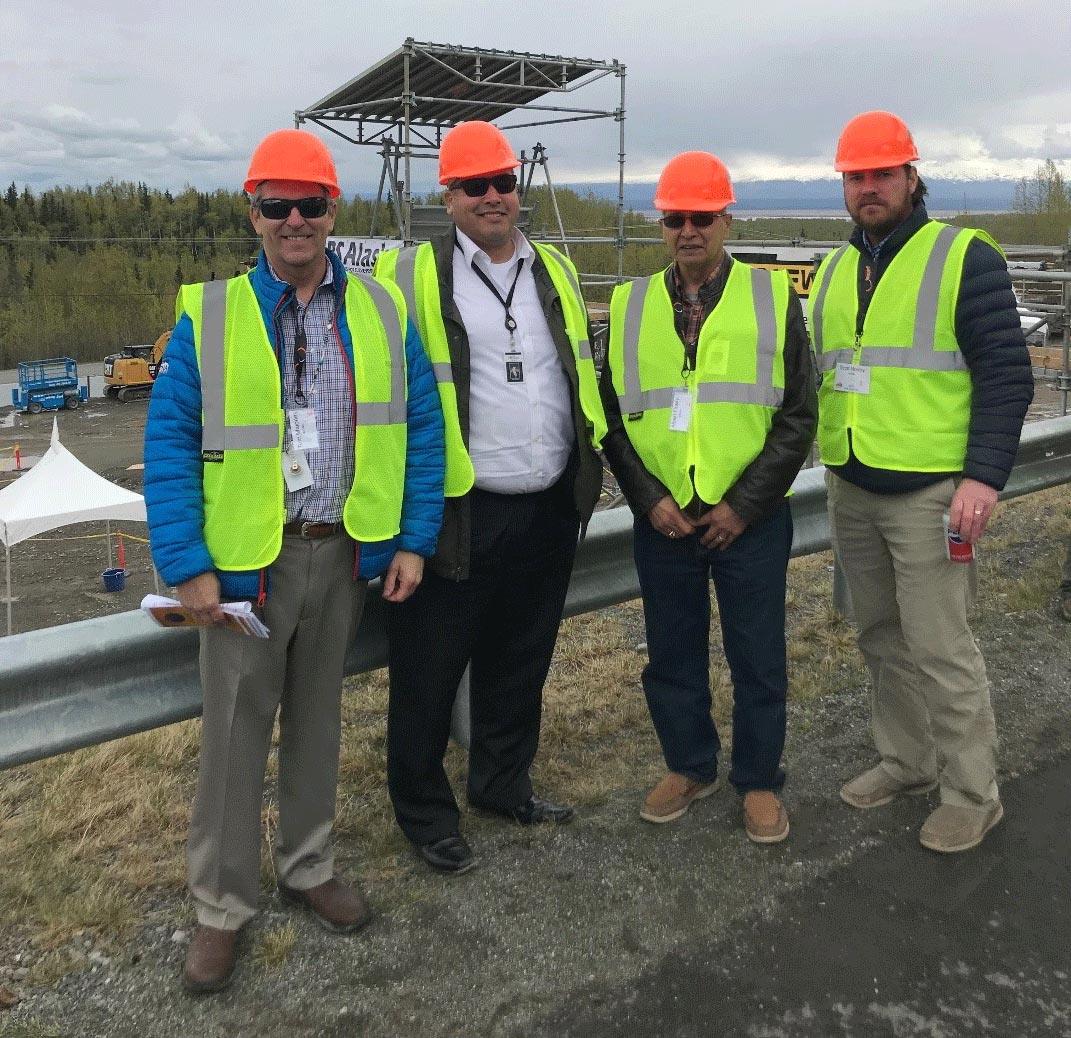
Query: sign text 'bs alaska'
359,254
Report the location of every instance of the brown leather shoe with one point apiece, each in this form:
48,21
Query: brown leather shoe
337,907
672,797
765,817
210,960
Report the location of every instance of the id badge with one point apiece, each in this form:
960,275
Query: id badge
680,414
514,367
303,433
852,378
296,472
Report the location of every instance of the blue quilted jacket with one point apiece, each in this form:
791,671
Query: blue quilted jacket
173,489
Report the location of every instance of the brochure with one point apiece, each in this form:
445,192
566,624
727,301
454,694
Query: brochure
167,612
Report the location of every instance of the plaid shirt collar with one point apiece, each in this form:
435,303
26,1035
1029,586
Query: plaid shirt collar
691,312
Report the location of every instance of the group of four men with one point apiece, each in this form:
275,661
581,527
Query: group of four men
438,425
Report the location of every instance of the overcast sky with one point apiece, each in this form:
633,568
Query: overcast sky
177,95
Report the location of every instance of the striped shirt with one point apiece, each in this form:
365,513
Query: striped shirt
328,390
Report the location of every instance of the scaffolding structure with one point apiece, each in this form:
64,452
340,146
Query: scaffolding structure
405,103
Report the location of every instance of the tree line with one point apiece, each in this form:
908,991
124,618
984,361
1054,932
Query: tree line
85,271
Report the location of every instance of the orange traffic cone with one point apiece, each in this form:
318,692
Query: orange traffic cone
122,553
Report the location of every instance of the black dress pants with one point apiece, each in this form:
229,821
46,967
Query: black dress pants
504,620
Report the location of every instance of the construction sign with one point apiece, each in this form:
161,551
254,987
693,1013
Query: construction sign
801,263
359,255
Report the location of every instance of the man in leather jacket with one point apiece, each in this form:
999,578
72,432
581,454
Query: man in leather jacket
705,467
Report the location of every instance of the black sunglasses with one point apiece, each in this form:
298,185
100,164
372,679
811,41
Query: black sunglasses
280,208
476,187
675,221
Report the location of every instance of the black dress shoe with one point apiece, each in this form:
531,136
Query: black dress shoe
450,854
534,811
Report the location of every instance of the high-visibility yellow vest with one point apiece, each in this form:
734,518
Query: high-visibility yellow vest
737,385
916,414
243,418
413,270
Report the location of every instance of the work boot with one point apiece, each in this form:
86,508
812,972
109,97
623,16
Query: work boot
765,817
953,828
876,787
672,797
210,960
336,906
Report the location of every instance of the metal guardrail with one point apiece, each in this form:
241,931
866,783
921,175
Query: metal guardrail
84,683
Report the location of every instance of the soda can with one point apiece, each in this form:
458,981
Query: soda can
956,548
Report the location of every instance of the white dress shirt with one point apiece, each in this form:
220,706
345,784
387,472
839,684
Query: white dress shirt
520,433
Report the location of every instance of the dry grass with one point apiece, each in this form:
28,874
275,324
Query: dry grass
27,1029
88,839
273,947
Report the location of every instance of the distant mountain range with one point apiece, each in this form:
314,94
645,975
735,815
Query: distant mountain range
957,195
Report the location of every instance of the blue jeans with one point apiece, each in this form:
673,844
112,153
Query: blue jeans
749,579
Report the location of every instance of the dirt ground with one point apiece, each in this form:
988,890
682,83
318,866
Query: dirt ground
56,577
594,929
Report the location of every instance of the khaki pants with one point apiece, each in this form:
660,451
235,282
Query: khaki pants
312,613
932,717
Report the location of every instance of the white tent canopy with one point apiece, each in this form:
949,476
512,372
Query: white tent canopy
57,491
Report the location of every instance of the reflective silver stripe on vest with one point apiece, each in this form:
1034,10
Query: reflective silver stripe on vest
405,278
216,435
393,412
762,393
583,347
921,355
916,358
828,361
634,400
818,307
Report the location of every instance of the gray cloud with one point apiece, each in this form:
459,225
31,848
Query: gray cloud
767,85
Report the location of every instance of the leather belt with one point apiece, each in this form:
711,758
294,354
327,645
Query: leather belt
311,531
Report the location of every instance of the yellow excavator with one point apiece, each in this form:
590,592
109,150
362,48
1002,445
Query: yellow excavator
130,373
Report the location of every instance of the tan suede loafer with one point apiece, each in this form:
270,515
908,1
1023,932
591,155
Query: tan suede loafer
952,828
876,787
765,817
672,797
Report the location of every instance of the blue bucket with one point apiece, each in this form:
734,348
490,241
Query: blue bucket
114,579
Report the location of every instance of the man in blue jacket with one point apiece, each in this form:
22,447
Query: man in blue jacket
294,449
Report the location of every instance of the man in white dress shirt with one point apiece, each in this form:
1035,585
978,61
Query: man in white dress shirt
505,327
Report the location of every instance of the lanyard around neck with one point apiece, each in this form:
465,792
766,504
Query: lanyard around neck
301,346
507,302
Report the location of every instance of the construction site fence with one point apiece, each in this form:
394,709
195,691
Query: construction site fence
86,683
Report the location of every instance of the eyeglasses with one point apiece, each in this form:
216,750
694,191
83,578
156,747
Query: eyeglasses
476,187
280,208
675,221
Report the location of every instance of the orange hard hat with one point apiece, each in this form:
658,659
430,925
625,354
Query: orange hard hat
293,155
694,181
874,140
474,149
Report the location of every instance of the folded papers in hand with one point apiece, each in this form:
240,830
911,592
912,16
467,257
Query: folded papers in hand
239,615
